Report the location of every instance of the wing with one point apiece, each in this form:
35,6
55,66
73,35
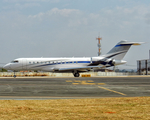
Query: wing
84,68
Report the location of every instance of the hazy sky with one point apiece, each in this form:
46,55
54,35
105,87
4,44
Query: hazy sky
66,28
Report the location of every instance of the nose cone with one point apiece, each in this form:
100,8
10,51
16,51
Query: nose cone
7,66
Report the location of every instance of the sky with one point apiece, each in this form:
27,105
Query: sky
69,28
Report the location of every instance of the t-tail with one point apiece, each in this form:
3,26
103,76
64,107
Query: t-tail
116,54
120,50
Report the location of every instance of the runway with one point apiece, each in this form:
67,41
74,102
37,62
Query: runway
70,87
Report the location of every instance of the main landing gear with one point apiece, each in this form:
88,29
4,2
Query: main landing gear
76,74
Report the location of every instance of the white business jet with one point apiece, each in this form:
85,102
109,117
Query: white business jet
73,65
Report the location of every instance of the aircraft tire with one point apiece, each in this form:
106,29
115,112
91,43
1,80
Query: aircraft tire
76,75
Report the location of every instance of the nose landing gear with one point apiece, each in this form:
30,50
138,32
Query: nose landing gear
14,75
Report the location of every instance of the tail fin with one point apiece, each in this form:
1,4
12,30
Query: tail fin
120,50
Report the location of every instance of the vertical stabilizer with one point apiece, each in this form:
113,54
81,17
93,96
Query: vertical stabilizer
120,50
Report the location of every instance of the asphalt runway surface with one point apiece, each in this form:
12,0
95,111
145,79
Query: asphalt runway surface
69,87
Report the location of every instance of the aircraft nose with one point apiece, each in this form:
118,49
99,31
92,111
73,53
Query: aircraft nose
7,66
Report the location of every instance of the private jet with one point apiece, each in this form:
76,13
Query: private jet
73,65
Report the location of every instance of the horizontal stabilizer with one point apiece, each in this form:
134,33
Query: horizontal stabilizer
131,43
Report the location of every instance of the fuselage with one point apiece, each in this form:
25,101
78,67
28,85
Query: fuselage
47,64
51,64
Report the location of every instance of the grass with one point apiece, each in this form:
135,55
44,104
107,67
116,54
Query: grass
77,109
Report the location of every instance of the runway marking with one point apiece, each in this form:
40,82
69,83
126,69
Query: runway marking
90,81
77,81
101,83
84,82
68,80
112,90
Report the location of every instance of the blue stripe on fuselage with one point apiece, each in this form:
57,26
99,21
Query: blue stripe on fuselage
64,63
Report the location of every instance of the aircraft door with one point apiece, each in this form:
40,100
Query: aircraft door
24,64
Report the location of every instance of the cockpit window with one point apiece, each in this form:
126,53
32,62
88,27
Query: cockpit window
15,61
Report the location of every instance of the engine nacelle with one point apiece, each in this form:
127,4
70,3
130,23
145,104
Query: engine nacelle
113,62
106,61
120,62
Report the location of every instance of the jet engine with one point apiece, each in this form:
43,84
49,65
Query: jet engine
113,62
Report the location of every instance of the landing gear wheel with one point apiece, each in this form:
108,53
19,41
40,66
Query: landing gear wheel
76,75
14,75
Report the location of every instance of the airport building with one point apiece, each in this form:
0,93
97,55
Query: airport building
143,66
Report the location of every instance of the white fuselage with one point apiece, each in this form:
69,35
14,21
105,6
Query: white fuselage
51,64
